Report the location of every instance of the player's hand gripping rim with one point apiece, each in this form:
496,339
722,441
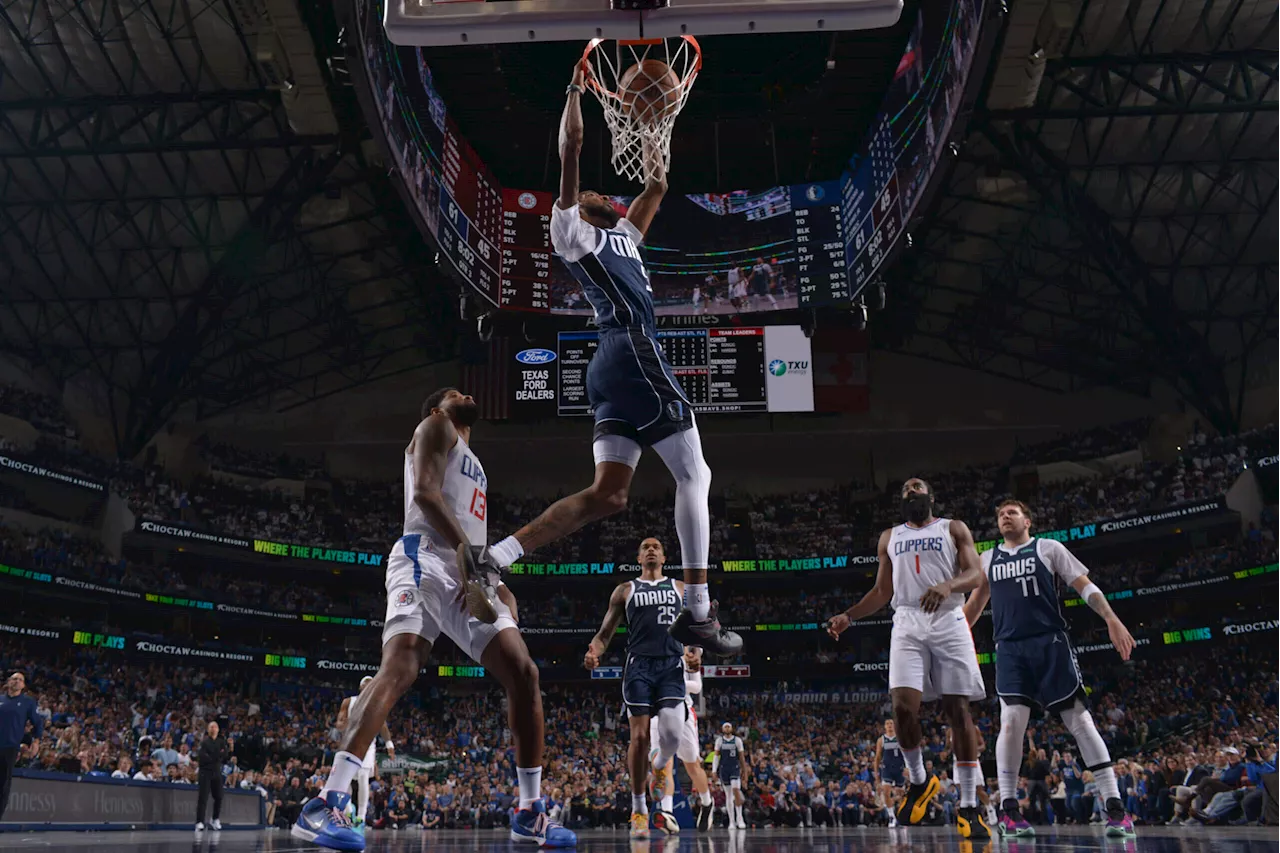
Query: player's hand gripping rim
473,589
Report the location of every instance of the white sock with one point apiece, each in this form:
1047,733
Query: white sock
506,552
1013,730
967,778
915,765
705,798
638,805
697,597
1107,784
668,802
530,785
345,768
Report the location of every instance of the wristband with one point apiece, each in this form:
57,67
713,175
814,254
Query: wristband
390,745
573,88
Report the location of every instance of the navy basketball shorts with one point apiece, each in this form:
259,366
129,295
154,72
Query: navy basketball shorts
1040,669
633,391
651,683
893,775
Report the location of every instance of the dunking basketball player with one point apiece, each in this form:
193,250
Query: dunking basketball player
637,401
1034,658
689,750
926,564
433,586
652,680
368,768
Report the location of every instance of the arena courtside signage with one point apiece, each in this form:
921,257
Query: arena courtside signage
1197,583
265,547
11,464
1122,523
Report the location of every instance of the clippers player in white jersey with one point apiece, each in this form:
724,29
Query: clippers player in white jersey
432,583
926,565
633,391
689,750
369,768
1034,659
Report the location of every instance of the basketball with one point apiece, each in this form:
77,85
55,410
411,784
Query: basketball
649,90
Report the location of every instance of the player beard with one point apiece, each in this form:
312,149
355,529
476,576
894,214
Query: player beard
465,413
916,507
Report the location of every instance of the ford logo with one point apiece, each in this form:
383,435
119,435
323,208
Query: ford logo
535,356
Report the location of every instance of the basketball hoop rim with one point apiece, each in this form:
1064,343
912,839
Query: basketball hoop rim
589,75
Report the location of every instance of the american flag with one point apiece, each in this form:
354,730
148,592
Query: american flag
486,375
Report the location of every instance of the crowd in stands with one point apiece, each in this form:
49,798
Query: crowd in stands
1094,443
260,464
1174,722
42,411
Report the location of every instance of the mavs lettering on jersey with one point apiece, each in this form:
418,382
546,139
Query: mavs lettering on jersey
651,610
607,264
1024,594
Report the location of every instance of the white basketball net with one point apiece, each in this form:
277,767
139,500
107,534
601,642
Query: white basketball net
636,130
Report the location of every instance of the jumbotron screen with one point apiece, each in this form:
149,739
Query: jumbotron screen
767,249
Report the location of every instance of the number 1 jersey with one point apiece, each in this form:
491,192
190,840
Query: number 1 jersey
1024,587
464,490
922,557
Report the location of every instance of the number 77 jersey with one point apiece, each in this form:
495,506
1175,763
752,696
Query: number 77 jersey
1024,587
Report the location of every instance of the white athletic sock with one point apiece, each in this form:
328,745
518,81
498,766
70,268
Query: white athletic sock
638,804
967,778
1107,784
697,597
668,802
682,454
1013,730
506,552
530,785
915,765
345,768
705,798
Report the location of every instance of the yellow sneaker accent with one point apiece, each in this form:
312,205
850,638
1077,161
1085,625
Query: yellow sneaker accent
639,825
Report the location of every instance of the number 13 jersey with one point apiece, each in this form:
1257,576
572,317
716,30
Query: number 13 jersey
464,491
922,557
1024,587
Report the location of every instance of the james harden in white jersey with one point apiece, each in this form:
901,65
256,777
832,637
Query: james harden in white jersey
926,566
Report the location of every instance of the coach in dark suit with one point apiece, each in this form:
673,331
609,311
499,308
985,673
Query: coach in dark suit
213,753
16,711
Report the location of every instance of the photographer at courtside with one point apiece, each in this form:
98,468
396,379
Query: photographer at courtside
213,753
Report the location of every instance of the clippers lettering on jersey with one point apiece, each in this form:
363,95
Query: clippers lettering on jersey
471,470
930,543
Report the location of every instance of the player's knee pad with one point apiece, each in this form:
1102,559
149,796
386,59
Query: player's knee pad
670,726
1093,749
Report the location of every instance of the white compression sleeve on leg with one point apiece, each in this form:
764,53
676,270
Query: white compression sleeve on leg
682,454
1093,749
362,795
1013,728
670,725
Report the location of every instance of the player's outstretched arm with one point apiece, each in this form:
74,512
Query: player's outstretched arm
877,597
1097,601
571,140
612,619
432,441
645,206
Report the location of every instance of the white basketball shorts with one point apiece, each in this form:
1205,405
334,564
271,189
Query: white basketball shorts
421,587
688,749
934,653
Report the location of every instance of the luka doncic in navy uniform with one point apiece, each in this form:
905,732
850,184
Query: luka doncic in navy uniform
1034,658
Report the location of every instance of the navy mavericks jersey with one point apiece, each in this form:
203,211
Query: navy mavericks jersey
1024,588
891,752
608,266
728,746
651,609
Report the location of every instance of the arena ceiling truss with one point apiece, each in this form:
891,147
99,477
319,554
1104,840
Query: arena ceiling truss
191,213
1110,216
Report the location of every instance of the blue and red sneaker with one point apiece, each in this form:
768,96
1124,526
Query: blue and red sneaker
324,821
532,826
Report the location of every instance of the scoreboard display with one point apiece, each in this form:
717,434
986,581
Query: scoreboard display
822,275
723,370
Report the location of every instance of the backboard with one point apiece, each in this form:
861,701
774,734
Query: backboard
436,22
